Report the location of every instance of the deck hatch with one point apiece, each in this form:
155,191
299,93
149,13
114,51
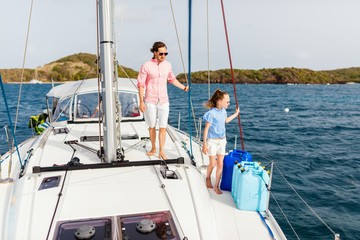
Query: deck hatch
164,226
61,130
67,230
50,182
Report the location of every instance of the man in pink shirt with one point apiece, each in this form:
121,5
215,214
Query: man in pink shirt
154,75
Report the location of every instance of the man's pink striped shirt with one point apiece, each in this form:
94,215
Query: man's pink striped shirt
154,76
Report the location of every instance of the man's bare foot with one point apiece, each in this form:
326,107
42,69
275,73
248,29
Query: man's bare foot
217,190
152,152
162,156
208,183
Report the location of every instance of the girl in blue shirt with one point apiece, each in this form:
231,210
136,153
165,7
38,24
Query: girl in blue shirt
214,142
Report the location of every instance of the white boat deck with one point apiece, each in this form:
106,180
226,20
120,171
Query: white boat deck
109,192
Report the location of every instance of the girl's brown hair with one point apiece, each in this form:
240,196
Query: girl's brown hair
218,95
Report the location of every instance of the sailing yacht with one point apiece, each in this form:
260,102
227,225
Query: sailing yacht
36,79
87,176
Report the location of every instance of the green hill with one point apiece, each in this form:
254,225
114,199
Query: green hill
82,65
277,76
70,68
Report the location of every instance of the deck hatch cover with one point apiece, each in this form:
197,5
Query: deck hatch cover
50,182
66,230
165,227
61,130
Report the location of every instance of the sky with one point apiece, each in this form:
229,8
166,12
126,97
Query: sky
313,34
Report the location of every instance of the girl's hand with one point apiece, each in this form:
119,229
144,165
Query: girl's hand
186,89
142,107
237,111
205,149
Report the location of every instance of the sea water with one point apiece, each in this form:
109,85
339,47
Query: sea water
315,144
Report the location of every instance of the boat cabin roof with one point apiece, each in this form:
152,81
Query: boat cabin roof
86,86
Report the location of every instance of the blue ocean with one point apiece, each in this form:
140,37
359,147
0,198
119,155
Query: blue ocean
314,145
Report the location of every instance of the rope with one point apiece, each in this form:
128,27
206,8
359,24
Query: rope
183,64
23,66
304,201
232,74
269,229
190,3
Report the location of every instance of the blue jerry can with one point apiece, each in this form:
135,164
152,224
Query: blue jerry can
229,161
251,192
235,178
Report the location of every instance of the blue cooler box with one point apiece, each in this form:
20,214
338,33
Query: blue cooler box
251,193
229,161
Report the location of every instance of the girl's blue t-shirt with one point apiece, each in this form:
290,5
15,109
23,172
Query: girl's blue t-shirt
216,117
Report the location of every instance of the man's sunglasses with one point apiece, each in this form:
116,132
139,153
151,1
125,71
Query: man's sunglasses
163,54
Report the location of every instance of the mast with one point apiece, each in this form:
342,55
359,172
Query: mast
107,58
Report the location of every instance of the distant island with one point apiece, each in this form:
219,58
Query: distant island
82,65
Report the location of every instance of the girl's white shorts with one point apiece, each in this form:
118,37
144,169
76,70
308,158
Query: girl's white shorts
216,146
154,112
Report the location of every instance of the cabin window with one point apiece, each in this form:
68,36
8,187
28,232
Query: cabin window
62,110
129,104
87,106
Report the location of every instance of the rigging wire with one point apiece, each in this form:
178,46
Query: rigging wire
131,80
11,126
332,231
23,67
121,23
304,201
287,220
208,44
183,64
232,73
189,94
117,43
178,40
98,69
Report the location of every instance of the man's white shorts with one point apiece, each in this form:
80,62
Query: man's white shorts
216,146
154,112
